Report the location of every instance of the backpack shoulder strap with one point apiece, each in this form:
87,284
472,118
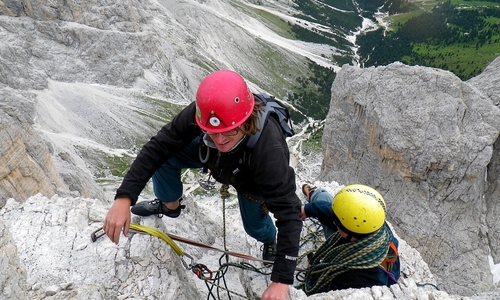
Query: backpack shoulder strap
271,107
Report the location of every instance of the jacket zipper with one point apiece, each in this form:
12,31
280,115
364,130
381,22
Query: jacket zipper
218,160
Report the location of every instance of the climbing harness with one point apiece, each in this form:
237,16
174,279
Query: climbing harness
261,202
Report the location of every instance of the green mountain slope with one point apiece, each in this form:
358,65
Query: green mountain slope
459,36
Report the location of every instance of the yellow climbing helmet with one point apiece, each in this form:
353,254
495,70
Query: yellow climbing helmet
358,210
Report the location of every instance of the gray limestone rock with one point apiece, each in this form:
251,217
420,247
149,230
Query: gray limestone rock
13,275
27,167
50,239
488,83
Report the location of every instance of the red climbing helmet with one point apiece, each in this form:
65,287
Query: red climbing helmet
223,102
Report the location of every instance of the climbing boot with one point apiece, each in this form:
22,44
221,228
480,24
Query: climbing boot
269,251
307,190
156,207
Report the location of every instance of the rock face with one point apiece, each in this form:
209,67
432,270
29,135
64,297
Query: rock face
488,83
65,56
427,141
50,238
13,275
53,238
27,167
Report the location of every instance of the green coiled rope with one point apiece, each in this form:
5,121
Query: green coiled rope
335,257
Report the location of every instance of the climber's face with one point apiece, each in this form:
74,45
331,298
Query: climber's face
345,235
225,141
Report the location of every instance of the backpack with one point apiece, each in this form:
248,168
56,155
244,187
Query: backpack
390,267
279,112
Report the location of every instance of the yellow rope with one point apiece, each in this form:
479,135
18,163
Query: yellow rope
159,234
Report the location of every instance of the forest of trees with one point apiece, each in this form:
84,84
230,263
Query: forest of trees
446,37
461,39
314,93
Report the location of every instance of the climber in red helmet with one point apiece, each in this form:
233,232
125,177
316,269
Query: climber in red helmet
212,132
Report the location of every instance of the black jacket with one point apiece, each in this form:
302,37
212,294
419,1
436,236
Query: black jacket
268,174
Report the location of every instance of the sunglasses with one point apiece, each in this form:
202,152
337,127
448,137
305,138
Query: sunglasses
231,132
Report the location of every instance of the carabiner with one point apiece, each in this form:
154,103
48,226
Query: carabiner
207,184
202,272
186,265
